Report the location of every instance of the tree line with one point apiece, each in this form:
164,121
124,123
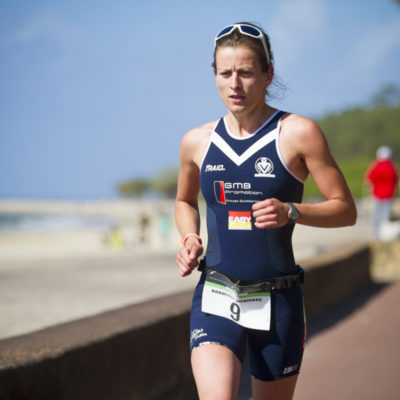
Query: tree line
353,135
163,184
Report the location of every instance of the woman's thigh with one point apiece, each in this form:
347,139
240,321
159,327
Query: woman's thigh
216,370
218,346
277,354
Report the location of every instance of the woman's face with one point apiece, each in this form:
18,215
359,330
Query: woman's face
240,81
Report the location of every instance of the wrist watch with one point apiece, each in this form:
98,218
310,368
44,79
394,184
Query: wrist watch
293,213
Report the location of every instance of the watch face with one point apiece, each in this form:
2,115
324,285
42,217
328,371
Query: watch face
293,214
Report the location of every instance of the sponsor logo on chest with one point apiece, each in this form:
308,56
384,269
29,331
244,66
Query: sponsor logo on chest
264,168
239,220
214,167
235,192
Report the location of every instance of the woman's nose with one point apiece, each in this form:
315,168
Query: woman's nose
235,83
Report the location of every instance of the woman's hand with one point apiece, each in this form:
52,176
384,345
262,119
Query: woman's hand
187,258
270,213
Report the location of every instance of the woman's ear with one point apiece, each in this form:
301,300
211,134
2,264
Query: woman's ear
269,76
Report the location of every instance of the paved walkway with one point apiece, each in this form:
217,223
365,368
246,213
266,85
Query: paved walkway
353,351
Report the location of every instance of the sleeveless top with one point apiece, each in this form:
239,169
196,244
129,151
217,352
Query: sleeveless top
235,173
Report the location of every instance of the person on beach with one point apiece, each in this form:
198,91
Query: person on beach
383,179
251,166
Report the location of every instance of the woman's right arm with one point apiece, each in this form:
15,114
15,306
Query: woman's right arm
187,214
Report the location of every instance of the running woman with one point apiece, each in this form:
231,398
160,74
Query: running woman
250,166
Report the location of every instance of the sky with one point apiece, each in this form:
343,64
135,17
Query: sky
93,93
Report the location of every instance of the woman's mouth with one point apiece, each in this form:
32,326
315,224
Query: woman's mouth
236,98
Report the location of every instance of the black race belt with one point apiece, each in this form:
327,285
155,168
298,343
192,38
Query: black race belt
279,283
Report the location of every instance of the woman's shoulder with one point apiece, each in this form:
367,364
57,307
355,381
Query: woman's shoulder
298,122
198,134
195,142
203,130
295,125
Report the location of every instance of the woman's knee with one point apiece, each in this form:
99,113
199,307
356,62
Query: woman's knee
281,389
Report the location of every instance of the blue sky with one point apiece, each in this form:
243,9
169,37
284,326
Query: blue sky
96,92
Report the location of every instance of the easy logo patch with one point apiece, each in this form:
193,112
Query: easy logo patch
239,220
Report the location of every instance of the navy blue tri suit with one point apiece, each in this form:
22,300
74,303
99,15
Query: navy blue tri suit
235,173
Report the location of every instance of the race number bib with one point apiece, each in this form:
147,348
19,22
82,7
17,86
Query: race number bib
248,305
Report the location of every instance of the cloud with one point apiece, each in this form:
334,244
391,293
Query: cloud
296,25
304,15
378,46
45,25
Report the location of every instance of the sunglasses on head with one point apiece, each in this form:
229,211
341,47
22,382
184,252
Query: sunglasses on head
244,29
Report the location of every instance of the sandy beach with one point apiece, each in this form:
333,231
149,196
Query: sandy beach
49,277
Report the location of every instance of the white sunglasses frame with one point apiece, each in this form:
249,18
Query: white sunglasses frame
238,26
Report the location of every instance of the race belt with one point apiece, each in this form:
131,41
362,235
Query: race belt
279,283
245,302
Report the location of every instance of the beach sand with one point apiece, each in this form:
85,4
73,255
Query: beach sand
52,277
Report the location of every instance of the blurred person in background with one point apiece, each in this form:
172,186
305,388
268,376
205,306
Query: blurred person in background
383,179
251,166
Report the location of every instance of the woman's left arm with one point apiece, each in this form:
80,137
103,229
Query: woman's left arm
311,148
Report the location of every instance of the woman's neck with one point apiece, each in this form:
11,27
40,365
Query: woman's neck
245,125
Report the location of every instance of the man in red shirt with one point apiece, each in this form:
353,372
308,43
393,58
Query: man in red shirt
383,178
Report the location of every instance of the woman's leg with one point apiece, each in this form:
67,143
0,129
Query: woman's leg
281,389
275,356
216,370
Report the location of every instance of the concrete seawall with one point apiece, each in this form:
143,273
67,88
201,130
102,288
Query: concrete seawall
141,351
